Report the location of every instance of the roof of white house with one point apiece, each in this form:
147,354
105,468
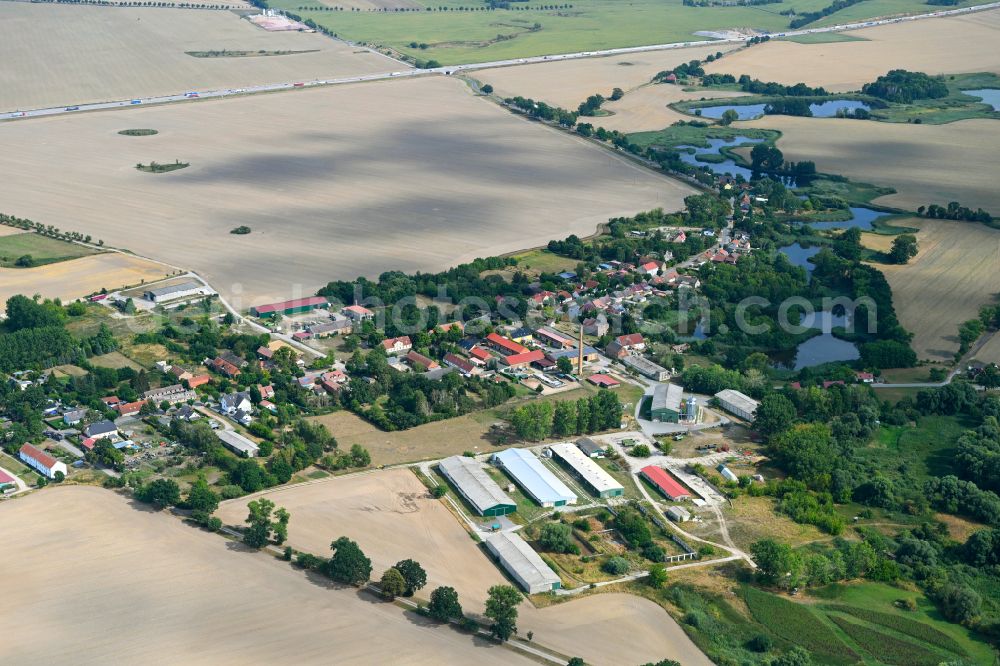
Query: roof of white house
475,483
176,289
520,557
738,400
591,472
537,479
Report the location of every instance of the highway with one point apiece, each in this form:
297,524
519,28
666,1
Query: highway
456,69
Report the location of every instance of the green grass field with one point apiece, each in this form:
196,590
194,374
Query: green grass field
454,36
686,135
918,452
42,249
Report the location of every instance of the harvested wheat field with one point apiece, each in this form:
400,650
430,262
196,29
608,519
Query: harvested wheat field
925,163
154,590
353,180
392,517
430,441
612,629
990,351
76,278
953,275
936,46
57,54
566,83
645,108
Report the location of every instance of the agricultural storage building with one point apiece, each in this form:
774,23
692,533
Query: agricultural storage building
596,479
295,306
678,514
182,290
666,405
522,563
237,443
42,462
737,403
534,478
474,484
591,448
646,368
665,483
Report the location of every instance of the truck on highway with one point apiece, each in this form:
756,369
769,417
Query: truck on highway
136,101
72,108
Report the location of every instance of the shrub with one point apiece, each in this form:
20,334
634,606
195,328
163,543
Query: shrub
616,566
760,643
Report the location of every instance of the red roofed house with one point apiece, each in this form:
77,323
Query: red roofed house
295,306
865,377
357,313
180,373
632,341
416,359
265,353
462,364
130,408
650,268
266,391
224,367
503,345
671,78
480,354
41,461
88,443
604,381
524,358
665,483
450,325
395,346
199,380
111,401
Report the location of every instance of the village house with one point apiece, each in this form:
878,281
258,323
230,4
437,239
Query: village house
130,408
100,430
597,326
396,346
74,416
357,313
171,394
462,365
650,268
419,360
230,403
503,345
338,325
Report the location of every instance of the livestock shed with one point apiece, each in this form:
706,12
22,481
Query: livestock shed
593,476
473,483
237,443
591,448
737,403
646,368
523,564
665,483
666,404
182,290
295,306
534,478
678,514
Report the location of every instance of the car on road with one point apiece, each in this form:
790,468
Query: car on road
72,108
136,101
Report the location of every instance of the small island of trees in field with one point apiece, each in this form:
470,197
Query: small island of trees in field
241,230
138,132
156,167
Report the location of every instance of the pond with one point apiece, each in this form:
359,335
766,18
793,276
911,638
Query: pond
989,96
800,255
861,218
689,155
823,348
753,111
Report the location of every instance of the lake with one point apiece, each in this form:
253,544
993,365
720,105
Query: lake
989,96
823,348
861,218
753,111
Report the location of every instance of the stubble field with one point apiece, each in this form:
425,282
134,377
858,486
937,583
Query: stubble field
953,275
566,83
73,54
107,579
392,517
925,163
74,279
935,46
352,180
